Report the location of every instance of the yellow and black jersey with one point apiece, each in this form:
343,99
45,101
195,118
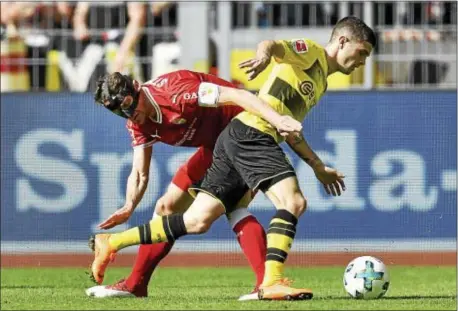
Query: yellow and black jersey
296,83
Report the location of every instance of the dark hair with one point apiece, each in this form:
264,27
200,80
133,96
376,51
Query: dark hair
357,28
114,83
111,91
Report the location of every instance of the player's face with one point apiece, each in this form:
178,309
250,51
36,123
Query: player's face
352,54
139,112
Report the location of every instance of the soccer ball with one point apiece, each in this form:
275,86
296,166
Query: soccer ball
366,277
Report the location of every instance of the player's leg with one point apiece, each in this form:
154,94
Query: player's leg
249,232
290,204
201,214
222,186
251,238
263,165
175,200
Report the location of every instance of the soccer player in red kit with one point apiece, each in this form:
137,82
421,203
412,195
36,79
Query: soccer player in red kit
181,108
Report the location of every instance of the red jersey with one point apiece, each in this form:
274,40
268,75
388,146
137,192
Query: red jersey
180,120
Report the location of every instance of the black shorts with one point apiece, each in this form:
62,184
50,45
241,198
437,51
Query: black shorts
244,158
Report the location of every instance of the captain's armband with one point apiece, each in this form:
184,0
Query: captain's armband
208,94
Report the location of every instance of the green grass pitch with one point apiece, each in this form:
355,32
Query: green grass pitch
412,288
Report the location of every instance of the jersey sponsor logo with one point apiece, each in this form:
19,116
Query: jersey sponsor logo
188,96
307,89
300,46
189,133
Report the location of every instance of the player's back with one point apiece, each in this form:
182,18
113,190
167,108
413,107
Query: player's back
180,120
294,86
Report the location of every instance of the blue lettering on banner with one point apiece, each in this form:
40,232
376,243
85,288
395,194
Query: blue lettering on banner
65,162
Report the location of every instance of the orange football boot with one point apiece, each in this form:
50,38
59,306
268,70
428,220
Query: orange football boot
283,291
104,254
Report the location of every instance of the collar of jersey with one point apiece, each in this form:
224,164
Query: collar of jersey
325,64
150,97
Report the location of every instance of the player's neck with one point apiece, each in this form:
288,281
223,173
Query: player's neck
153,114
147,106
331,59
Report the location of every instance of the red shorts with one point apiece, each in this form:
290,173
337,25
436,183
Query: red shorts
194,169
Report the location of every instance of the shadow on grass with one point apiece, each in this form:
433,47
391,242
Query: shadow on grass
388,297
27,286
421,297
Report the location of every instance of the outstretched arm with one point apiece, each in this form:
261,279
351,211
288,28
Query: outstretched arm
213,95
136,187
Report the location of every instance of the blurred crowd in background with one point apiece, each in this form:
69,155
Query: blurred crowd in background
43,41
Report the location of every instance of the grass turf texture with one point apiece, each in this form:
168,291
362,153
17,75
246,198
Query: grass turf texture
411,288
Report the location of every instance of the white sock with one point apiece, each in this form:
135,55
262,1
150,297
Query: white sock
156,215
238,215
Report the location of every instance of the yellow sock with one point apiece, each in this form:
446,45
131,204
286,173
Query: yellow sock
152,232
280,236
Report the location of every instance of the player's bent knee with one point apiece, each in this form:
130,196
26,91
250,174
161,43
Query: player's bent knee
297,205
196,225
303,205
164,207
202,227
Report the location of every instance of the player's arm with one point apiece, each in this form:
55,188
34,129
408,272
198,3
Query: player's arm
331,179
265,51
292,52
212,95
137,20
80,30
137,183
303,150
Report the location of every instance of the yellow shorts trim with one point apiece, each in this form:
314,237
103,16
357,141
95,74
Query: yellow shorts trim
193,191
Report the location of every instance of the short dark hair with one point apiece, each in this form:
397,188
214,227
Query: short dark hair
358,29
114,82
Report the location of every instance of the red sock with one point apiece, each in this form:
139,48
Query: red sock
148,257
252,239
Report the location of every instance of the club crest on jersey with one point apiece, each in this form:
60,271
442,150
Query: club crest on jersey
299,46
307,89
179,121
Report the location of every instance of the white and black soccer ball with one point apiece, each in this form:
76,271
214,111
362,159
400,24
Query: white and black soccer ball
366,277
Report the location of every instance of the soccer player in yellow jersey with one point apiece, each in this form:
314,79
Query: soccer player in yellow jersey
247,155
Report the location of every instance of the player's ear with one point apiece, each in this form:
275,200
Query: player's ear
342,41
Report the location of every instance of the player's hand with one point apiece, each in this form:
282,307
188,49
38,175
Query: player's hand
120,62
117,218
331,179
80,31
255,66
287,125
